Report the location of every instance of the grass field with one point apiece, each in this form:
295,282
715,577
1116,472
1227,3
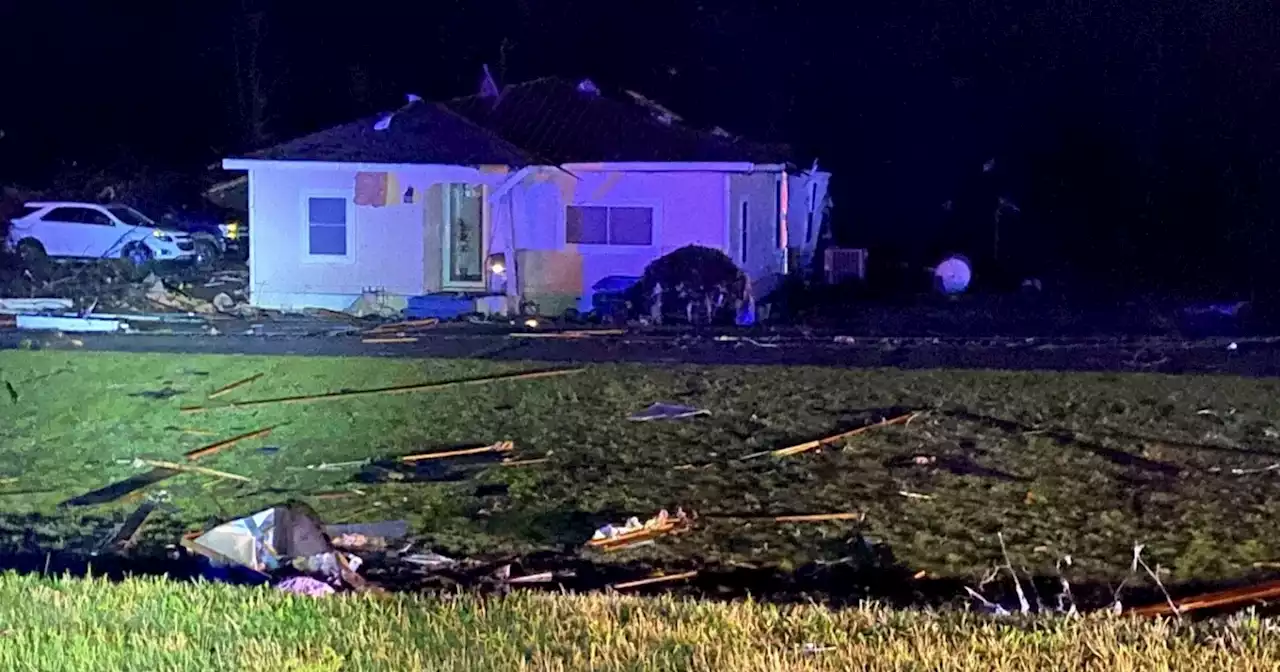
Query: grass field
144,624
1094,463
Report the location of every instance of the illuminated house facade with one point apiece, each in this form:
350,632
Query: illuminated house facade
533,193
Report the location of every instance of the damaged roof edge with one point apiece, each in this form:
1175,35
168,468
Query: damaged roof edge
635,166
287,164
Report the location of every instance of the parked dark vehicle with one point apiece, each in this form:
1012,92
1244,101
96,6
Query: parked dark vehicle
222,230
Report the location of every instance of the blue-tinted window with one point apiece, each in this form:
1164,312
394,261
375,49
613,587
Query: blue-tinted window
327,226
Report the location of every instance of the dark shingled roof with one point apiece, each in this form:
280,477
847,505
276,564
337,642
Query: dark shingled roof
557,123
422,132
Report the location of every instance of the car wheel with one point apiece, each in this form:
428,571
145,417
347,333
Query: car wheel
138,254
31,252
206,253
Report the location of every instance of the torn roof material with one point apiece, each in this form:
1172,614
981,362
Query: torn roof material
419,133
567,123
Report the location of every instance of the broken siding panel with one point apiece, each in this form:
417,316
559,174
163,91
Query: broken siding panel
763,260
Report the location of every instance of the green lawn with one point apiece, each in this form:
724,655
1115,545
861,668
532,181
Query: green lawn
76,426
141,624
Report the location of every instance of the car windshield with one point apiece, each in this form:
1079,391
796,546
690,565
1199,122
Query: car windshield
130,216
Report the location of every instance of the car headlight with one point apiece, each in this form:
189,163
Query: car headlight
164,237
230,231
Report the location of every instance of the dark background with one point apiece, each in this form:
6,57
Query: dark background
1139,140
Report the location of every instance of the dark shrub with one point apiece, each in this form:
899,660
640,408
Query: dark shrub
691,274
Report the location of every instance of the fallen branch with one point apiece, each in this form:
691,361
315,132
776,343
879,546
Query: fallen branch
817,443
499,447
159,464
398,389
227,388
219,445
914,495
654,579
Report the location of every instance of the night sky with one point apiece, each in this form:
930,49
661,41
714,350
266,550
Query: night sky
1138,139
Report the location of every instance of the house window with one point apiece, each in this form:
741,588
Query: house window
327,226
745,219
611,225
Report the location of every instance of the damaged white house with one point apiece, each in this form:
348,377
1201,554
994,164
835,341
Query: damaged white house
531,195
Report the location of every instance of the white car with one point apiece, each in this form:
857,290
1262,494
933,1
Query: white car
92,231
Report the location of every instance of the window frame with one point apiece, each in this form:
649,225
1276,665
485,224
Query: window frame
111,221
655,216
304,217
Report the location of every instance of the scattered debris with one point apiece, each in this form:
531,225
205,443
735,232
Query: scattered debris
20,306
810,445
127,534
306,586
334,466
499,447
570,334
239,383
1234,597
663,411
219,445
430,561
633,532
398,389
367,536
523,463
655,579
120,489
541,577
820,517
745,339
401,327
266,541
160,464
67,324
163,393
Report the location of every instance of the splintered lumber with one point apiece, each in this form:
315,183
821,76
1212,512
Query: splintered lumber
655,579
817,443
397,389
401,326
219,445
1235,597
499,447
817,517
239,383
406,339
579,333
159,464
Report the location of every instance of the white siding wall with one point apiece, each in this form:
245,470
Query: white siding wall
387,250
688,209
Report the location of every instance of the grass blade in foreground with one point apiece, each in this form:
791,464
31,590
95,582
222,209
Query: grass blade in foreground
151,624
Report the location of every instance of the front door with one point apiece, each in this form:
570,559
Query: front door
463,231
